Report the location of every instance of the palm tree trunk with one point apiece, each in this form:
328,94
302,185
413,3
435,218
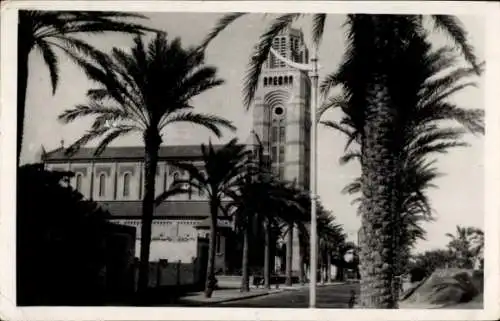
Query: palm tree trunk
322,266
244,262
379,170
22,86
267,255
152,141
340,271
328,268
378,188
210,281
302,273
289,255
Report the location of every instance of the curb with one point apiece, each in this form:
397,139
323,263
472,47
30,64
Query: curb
306,286
250,296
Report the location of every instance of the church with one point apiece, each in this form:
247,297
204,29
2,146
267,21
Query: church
114,179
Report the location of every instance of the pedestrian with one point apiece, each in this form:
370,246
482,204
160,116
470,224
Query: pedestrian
352,299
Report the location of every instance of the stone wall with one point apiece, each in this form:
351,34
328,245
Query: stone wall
172,240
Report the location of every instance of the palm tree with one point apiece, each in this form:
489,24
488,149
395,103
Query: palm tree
221,173
432,260
256,201
283,205
331,239
52,31
422,137
478,247
296,217
464,246
143,92
375,65
270,221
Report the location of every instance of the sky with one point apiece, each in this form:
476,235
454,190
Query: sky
457,201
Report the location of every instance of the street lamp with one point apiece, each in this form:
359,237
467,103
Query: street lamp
312,68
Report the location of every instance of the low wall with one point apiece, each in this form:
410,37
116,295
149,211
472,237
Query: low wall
170,250
165,273
234,281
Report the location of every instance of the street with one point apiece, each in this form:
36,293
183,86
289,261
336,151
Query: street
331,296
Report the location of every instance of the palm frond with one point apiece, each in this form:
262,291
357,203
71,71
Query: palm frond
441,135
337,126
92,109
441,148
173,191
453,26
114,133
338,101
353,187
437,84
194,172
97,94
441,96
200,87
211,122
222,24
50,59
350,156
86,138
318,27
69,22
261,53
331,81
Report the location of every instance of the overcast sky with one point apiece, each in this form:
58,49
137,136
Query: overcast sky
459,199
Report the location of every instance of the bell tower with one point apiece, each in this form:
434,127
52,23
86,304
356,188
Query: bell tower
281,116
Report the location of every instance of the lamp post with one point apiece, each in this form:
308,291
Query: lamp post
312,68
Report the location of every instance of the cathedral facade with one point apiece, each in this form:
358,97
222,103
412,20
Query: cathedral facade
115,180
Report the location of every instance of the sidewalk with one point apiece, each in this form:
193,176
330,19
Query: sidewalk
224,295
297,287
228,295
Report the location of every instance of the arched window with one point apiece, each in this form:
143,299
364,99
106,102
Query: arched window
290,79
126,184
102,185
265,81
280,81
78,183
286,80
275,81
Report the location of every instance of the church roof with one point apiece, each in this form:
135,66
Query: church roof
133,209
125,153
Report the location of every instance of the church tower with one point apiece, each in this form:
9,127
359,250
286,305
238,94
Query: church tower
281,114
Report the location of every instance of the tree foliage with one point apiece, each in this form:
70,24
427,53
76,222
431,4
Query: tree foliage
53,32
60,241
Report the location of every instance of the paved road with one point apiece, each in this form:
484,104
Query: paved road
331,296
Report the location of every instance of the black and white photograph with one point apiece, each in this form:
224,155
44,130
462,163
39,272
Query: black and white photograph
295,159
